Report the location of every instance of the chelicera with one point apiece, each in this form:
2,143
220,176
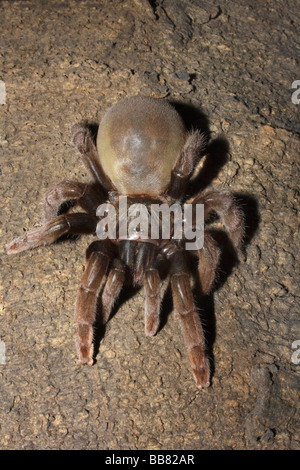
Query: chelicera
144,152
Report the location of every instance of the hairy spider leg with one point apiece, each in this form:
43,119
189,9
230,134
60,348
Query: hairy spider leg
112,288
188,317
90,285
209,257
73,224
82,194
84,142
185,165
225,206
152,288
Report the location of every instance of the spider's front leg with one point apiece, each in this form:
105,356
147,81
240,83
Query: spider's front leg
152,285
186,313
89,287
112,289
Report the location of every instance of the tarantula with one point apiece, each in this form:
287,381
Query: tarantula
144,152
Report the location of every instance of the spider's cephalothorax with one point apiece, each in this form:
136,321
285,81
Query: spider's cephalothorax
143,152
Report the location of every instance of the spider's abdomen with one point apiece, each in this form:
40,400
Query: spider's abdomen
139,140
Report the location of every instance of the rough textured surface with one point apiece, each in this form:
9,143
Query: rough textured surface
230,67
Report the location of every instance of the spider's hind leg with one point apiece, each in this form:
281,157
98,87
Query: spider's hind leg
82,194
83,140
190,155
